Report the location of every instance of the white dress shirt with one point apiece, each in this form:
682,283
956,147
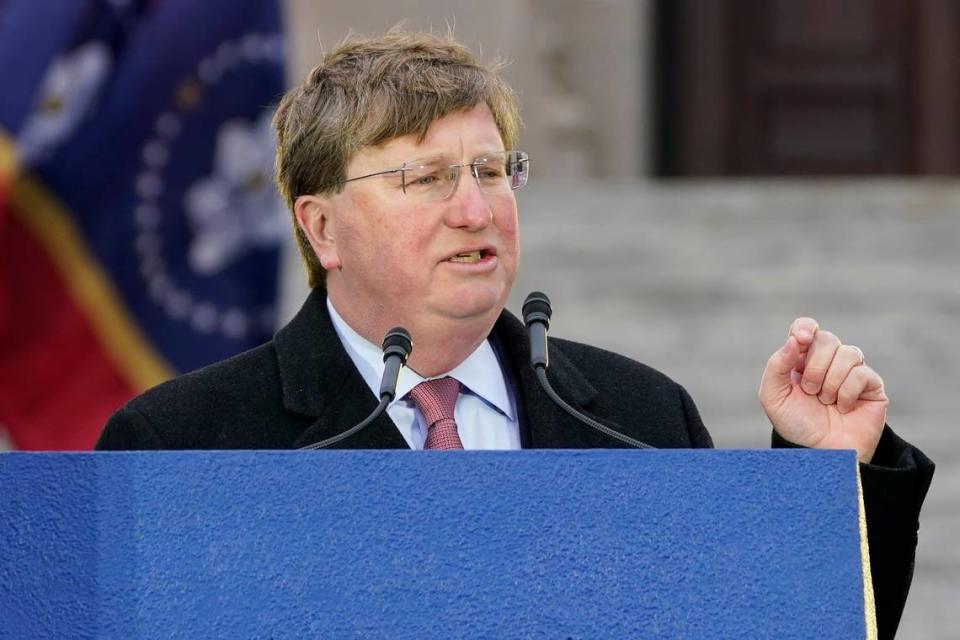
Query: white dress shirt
486,412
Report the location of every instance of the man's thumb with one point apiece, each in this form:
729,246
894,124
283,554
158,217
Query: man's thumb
776,384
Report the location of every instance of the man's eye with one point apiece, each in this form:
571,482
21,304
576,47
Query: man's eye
489,172
425,181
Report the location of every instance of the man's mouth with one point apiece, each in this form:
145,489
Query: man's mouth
469,257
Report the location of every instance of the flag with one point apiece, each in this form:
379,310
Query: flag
139,226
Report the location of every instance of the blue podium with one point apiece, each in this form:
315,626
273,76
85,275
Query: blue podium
376,544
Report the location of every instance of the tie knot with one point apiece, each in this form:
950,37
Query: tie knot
436,399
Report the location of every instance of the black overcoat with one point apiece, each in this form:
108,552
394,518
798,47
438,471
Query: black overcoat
302,387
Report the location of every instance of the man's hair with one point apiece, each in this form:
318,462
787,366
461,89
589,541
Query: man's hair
368,91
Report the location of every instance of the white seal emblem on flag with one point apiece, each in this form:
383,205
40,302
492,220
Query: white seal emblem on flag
237,207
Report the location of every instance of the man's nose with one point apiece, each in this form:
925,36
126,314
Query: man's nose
469,208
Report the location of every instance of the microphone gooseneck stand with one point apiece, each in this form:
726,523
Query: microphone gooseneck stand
397,346
536,315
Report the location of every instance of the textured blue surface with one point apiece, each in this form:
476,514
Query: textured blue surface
558,544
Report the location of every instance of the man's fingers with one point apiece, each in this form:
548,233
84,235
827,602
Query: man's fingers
844,360
797,374
804,330
863,383
819,357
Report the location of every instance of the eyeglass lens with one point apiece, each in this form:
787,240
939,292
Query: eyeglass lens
496,173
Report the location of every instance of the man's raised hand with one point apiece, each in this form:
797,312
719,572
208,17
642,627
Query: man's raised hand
818,392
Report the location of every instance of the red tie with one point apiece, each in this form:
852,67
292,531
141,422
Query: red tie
436,400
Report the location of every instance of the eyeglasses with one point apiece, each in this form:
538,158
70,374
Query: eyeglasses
496,173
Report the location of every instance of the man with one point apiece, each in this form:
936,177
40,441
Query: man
398,159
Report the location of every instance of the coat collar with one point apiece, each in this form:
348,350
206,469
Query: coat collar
549,427
320,381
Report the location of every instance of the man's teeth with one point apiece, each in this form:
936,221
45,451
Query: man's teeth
470,256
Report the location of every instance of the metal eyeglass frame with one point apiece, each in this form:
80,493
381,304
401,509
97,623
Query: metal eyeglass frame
473,171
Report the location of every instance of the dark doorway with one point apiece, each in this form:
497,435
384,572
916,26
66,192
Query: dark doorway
808,87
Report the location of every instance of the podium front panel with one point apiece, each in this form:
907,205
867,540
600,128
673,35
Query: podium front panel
409,544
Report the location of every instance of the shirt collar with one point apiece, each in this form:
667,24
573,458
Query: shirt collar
479,373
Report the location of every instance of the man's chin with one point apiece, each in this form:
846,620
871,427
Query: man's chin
468,306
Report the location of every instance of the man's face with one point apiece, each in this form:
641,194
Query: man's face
396,256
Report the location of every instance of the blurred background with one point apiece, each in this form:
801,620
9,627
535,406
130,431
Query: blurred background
703,172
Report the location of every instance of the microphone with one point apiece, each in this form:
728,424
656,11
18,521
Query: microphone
536,315
397,346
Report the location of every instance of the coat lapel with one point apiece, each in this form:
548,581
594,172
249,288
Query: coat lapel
547,425
320,381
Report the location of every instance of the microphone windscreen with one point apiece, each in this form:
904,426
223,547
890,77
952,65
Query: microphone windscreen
397,339
537,307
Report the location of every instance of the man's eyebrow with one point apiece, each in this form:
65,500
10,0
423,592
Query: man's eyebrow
442,157
488,152
436,157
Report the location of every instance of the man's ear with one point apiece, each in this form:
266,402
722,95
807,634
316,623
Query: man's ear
314,215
